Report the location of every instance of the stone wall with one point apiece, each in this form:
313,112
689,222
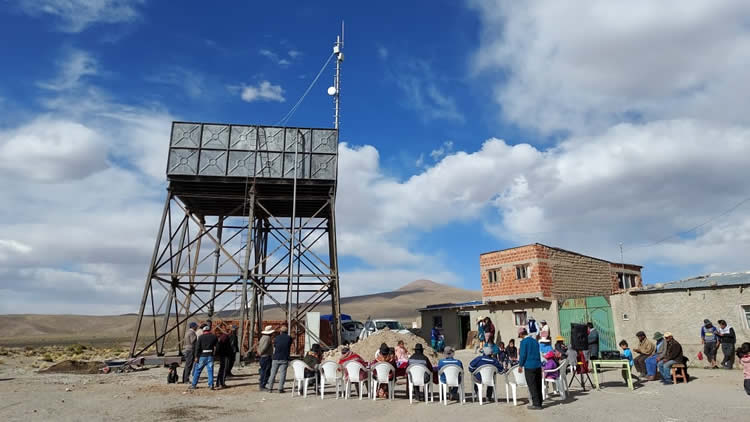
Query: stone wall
576,275
681,312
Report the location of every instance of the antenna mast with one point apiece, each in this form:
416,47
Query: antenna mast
338,50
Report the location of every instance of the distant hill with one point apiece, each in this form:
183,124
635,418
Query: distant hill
401,304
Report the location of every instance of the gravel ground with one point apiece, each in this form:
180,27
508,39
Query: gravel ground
31,396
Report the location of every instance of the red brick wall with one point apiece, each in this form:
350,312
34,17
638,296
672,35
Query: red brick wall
507,284
617,268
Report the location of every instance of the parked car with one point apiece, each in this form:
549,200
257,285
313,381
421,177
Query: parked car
350,330
372,326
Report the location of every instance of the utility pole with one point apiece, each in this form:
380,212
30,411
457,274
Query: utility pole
338,50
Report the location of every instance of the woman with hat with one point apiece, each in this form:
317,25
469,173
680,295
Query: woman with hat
560,346
265,349
651,361
384,355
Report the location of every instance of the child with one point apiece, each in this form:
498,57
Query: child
626,354
402,355
502,355
550,364
743,353
511,350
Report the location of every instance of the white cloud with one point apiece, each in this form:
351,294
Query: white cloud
294,53
274,57
264,91
77,15
587,67
382,52
190,81
438,153
419,86
77,64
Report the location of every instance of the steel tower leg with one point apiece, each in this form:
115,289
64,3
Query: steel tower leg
334,286
246,266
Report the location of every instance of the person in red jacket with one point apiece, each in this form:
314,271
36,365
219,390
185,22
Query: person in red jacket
489,330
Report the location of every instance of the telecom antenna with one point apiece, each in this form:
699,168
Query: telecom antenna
335,90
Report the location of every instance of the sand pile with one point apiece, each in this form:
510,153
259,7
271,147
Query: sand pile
369,346
75,367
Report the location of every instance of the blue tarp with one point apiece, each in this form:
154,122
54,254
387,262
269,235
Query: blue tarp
329,317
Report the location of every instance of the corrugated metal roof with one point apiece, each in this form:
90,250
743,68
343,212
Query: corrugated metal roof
700,282
450,305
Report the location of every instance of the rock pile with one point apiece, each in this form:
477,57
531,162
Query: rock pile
369,346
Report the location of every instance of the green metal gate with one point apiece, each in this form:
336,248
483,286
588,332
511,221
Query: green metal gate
594,309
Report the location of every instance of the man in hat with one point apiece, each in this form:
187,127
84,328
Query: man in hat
234,343
348,355
484,359
652,361
419,358
672,355
282,344
449,359
530,364
205,348
710,341
312,360
188,347
264,353
644,349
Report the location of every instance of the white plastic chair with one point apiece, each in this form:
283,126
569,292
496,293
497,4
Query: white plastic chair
487,373
453,378
353,372
560,384
381,375
416,375
514,379
299,367
330,373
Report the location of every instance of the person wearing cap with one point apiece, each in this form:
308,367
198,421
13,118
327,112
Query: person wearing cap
264,353
484,359
282,344
672,355
651,361
449,359
645,349
710,341
188,347
205,348
545,345
530,364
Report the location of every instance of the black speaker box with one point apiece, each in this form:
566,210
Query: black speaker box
579,334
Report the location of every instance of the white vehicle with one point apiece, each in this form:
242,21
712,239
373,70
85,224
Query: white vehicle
350,330
372,326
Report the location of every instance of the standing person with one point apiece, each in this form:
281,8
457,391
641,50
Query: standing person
645,349
530,364
223,351
593,340
188,347
532,327
205,347
235,345
480,331
672,355
265,349
743,353
710,341
434,336
489,330
282,344
727,339
626,354
544,331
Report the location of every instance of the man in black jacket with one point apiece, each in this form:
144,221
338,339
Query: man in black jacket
280,360
727,338
205,347
235,344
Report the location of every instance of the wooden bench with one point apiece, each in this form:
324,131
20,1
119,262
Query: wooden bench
678,372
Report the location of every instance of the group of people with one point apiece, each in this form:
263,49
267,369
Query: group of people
201,345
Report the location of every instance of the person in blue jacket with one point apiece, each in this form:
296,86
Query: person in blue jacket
450,360
530,364
434,337
484,359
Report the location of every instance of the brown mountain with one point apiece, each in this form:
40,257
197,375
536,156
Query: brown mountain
401,304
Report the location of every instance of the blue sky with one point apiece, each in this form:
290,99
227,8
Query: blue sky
468,127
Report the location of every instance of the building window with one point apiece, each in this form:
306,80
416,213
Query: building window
627,282
522,271
494,276
519,318
746,308
437,321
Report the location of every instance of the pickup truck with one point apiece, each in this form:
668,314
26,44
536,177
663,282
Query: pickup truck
374,325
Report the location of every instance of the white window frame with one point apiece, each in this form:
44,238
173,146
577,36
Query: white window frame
492,275
626,280
525,318
746,313
526,272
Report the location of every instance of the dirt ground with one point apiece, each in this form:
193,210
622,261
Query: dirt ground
28,395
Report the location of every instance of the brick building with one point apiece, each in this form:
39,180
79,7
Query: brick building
536,280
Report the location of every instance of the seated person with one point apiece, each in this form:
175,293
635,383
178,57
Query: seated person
651,361
502,356
312,359
495,349
347,355
449,359
418,358
560,346
382,347
484,359
384,355
512,351
549,365
402,355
